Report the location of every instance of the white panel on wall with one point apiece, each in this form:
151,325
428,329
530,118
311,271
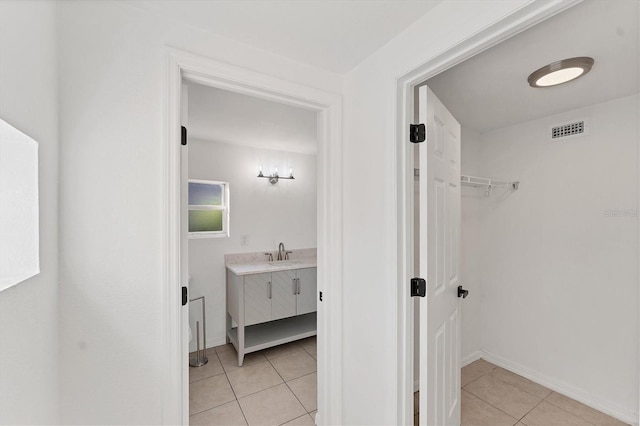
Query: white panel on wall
19,215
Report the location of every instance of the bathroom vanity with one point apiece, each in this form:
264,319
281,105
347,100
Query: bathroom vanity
270,303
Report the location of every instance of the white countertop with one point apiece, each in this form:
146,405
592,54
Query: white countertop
274,266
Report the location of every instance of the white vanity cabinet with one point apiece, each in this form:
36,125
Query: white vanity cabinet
270,308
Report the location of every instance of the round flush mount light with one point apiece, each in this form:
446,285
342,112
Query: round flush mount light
560,72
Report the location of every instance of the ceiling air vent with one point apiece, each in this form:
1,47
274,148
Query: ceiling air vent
565,130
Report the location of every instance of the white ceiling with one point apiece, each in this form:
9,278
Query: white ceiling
490,90
333,35
229,117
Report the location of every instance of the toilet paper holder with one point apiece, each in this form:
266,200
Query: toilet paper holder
199,361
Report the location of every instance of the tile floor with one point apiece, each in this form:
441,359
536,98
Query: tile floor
493,396
276,386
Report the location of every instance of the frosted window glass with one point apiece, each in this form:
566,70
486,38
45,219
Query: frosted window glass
205,220
205,194
19,229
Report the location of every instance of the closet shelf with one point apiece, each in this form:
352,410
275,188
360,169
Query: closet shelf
487,183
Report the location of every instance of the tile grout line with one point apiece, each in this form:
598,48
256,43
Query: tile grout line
490,404
291,390
237,400
236,396
566,411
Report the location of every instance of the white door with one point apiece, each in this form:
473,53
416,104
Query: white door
439,260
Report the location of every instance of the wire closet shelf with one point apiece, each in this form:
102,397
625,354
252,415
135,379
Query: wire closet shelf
487,183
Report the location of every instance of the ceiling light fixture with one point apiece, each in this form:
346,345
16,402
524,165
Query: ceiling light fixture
560,72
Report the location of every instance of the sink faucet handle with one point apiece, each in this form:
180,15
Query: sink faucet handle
267,253
287,253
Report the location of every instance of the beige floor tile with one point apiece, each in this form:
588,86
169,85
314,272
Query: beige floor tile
209,393
476,412
282,350
305,388
589,414
210,369
547,414
273,406
224,348
508,398
228,414
474,370
229,360
294,365
253,378
310,345
520,382
416,402
305,420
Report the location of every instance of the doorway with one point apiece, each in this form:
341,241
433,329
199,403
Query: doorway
505,198
237,146
187,67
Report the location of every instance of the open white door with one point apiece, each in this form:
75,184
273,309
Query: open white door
184,254
439,263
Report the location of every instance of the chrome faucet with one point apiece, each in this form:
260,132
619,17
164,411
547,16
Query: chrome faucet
281,251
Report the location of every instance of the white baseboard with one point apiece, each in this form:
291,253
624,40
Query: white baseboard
474,356
607,407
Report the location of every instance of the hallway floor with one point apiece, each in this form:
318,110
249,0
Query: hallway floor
493,396
276,386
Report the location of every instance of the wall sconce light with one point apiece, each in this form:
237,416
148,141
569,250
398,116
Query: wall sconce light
274,177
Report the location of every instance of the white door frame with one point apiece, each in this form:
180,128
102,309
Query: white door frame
527,16
184,65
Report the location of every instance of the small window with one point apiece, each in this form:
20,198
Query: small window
208,209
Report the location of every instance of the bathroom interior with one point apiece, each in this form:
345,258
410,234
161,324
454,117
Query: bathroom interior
252,171
550,203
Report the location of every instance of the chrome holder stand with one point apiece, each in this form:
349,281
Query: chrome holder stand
199,360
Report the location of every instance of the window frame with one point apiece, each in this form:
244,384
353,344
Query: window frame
224,207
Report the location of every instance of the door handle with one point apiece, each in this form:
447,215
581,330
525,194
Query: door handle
294,286
269,289
462,292
298,285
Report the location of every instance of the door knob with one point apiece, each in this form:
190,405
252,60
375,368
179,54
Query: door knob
462,292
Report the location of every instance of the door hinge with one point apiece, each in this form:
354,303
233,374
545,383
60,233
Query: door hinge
417,133
418,287
320,296
462,292
184,296
183,135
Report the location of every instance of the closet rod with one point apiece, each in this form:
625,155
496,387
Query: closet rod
486,182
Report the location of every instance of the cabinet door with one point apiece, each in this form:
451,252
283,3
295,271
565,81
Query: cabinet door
257,298
308,286
283,303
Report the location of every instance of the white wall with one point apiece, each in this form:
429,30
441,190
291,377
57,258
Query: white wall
369,203
29,311
472,202
267,214
559,275
112,80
